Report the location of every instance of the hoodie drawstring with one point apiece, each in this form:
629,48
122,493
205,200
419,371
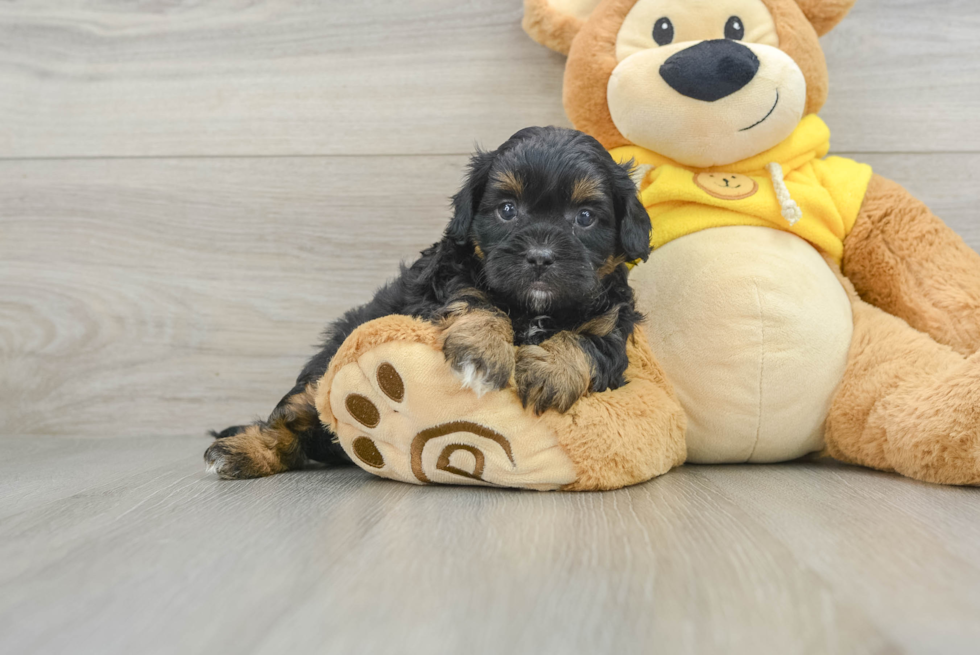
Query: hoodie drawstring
788,207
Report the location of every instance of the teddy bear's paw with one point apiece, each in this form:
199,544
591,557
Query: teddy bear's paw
933,430
402,414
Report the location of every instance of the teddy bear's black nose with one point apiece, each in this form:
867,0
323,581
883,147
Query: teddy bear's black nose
710,70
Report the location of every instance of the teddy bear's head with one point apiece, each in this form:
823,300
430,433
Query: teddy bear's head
703,82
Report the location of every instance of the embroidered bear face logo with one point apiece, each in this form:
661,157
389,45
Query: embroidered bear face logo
703,82
727,186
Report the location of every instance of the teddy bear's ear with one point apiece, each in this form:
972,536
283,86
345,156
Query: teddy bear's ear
554,23
825,14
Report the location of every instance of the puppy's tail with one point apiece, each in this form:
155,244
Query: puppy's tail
227,432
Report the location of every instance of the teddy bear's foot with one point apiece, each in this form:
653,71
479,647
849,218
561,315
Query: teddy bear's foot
932,432
400,412
907,403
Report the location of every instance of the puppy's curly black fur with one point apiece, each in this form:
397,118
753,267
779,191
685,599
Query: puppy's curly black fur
534,256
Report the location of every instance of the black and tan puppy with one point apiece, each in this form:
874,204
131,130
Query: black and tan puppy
533,257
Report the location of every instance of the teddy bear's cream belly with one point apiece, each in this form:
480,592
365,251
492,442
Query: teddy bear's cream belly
753,329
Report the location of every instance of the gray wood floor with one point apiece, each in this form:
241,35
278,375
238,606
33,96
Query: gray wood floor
190,190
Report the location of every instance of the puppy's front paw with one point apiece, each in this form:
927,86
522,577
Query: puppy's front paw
480,349
553,375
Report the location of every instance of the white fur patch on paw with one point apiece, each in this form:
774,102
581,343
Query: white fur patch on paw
471,378
214,460
214,465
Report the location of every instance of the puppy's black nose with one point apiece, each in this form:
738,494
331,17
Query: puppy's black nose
710,70
541,256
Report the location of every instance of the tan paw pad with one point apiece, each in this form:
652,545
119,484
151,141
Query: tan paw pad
401,413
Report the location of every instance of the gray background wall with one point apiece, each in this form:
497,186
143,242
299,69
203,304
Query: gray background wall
190,191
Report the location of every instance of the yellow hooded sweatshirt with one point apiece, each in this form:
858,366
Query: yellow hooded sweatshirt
790,187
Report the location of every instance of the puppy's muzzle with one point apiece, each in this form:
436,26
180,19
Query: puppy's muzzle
710,70
542,246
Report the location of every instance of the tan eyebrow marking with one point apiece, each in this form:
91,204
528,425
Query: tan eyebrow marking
585,189
508,181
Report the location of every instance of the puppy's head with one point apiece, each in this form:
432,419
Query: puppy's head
550,214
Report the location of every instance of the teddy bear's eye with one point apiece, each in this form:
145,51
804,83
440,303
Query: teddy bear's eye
735,29
663,31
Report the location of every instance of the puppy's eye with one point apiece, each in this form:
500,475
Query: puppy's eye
585,218
735,29
507,211
663,31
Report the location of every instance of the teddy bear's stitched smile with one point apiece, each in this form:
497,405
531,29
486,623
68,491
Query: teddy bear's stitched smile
746,129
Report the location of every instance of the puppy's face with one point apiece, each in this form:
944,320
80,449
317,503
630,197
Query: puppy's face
550,214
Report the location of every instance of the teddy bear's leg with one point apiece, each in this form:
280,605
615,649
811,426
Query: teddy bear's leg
400,412
903,259
906,403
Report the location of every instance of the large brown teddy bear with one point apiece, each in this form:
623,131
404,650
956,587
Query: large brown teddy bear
797,302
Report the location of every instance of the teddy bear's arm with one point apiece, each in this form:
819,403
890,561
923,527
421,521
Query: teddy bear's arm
399,411
905,260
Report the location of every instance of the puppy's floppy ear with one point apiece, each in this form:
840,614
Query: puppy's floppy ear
554,23
467,201
825,14
631,215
